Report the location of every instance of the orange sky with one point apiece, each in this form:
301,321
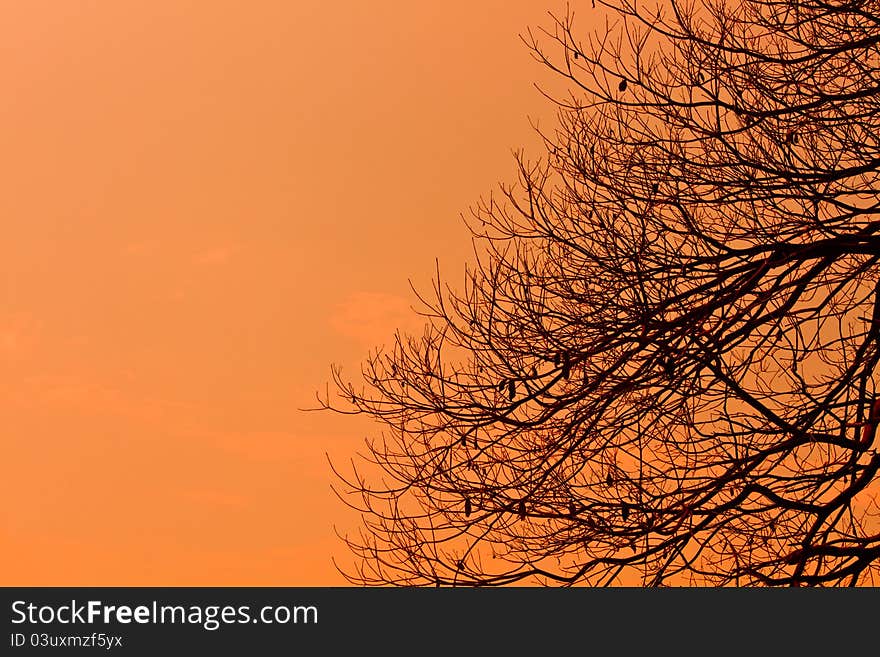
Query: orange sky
203,205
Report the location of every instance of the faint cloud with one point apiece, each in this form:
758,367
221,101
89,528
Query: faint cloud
257,446
216,256
19,333
89,397
215,498
139,248
371,318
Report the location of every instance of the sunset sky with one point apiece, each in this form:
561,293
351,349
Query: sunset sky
204,205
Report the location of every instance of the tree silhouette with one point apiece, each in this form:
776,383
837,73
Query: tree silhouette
661,367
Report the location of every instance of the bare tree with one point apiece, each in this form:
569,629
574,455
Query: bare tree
661,367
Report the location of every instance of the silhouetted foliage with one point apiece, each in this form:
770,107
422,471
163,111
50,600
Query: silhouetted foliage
661,367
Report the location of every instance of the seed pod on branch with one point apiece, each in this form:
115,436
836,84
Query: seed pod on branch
869,429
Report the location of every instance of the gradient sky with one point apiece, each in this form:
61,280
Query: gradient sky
203,205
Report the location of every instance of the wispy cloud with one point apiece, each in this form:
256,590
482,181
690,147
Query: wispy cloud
64,393
371,318
256,445
143,247
219,255
19,334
